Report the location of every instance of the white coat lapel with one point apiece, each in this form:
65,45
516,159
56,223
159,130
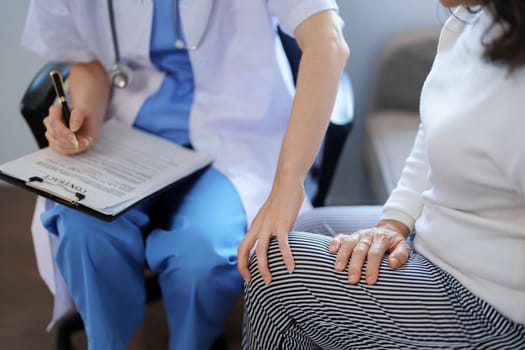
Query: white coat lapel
195,17
133,20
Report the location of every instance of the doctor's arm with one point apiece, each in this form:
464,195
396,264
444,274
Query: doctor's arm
89,90
324,54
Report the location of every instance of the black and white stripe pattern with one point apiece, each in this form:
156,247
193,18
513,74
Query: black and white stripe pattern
338,219
418,306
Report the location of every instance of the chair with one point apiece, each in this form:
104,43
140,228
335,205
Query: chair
393,116
40,95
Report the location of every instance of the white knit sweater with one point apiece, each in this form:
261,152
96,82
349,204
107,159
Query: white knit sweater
463,186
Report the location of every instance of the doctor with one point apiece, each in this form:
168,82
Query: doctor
207,74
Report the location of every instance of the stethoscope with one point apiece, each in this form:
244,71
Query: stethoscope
120,75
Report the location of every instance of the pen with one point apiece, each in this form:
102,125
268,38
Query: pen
58,84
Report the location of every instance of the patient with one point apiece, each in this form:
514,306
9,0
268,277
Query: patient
462,192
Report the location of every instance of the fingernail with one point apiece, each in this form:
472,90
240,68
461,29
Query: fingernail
86,141
74,128
394,262
353,278
289,268
267,281
339,265
74,141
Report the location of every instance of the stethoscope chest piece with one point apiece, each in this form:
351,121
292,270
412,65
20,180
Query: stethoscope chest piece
120,76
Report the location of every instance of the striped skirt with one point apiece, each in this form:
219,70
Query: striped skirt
417,306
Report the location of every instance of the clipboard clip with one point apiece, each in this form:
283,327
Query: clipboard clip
34,180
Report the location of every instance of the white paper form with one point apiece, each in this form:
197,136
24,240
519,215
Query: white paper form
124,166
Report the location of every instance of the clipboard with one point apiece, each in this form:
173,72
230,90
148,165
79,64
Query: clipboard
125,167
76,202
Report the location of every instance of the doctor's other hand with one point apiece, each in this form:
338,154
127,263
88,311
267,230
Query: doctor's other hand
76,139
275,218
371,244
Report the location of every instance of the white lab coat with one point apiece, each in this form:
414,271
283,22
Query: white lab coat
243,86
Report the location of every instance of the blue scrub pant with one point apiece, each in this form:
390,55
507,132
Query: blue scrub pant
188,235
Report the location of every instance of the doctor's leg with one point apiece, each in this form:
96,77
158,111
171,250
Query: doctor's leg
195,255
103,266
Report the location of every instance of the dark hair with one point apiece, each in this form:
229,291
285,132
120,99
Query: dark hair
509,47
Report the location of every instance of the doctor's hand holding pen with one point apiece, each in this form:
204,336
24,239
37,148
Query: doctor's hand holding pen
90,90
324,54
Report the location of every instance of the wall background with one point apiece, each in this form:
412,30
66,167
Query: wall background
369,24
17,67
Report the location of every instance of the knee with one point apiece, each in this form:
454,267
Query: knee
73,228
208,261
305,247
274,259
82,236
192,257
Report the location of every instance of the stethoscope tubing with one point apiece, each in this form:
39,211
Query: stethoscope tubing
121,73
111,13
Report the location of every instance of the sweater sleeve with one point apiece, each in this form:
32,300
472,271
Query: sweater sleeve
511,158
405,202
291,13
517,171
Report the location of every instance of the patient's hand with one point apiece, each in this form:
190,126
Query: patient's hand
370,244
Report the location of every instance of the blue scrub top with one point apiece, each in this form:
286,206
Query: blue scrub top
166,112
